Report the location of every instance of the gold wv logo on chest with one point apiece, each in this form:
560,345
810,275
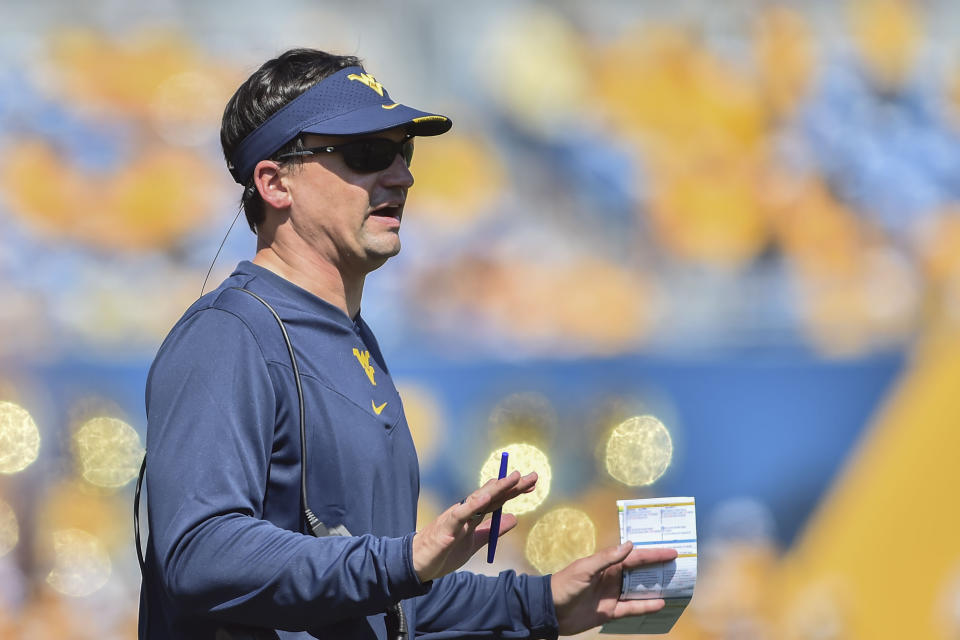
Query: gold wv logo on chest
363,357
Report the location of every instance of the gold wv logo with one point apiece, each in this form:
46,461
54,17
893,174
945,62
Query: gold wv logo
368,80
364,358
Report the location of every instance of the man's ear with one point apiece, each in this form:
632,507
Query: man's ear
269,182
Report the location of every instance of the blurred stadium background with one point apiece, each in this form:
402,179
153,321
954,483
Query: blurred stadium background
741,218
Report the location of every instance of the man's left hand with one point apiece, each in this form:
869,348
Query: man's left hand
586,593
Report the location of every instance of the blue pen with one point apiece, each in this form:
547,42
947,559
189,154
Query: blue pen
495,520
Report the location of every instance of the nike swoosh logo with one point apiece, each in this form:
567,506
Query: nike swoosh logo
377,410
389,106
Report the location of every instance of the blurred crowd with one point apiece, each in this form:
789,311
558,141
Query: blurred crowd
763,173
621,177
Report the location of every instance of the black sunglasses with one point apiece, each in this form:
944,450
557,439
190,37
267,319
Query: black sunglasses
365,155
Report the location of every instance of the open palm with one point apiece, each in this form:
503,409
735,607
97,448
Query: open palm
449,541
586,593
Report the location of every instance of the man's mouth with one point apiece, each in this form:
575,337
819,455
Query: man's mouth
391,210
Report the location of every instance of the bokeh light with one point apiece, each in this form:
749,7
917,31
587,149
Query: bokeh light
609,411
108,452
80,565
639,451
19,438
523,417
523,458
560,537
9,529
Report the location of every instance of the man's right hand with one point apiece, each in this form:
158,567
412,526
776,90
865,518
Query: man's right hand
447,543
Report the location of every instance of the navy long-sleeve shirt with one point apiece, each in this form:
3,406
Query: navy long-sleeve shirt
228,552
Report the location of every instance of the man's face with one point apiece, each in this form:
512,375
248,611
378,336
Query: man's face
349,219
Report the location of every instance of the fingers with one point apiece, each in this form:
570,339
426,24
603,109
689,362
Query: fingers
507,522
446,543
514,484
525,484
625,608
626,553
464,512
605,558
639,557
494,494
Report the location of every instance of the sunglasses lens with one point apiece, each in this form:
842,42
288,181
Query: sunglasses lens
375,154
365,155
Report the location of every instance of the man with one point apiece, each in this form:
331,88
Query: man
323,153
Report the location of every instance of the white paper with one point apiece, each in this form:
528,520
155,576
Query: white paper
657,523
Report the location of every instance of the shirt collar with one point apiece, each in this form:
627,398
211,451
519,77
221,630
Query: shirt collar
300,296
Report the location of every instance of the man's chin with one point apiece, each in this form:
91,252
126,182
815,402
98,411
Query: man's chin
378,255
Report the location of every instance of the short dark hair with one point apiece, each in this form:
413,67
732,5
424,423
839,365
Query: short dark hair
268,89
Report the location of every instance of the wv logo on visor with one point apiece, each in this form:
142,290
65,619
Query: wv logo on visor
368,80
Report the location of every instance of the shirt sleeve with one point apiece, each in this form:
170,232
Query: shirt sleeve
211,418
468,605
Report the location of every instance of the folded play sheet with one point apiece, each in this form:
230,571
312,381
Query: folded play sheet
651,523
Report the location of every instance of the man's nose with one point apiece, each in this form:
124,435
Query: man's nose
398,173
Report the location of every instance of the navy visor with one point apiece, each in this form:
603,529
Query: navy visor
350,102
